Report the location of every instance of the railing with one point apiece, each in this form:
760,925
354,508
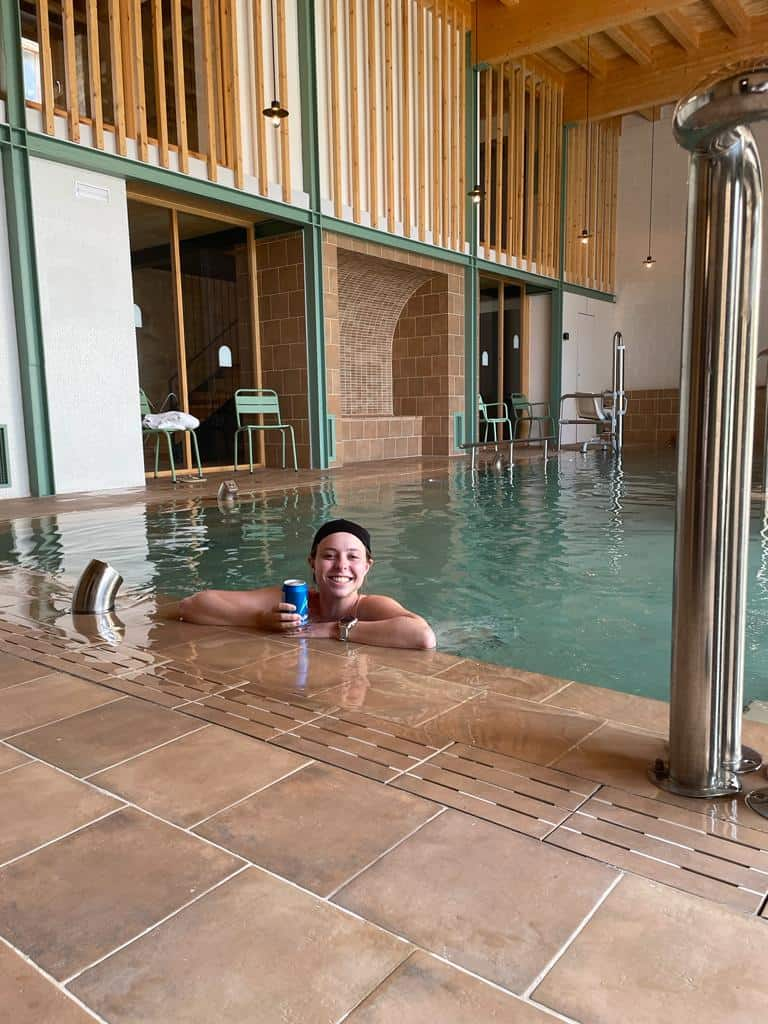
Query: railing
520,127
179,83
593,166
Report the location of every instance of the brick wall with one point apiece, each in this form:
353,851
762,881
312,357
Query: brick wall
367,438
652,417
428,360
280,269
371,295
356,326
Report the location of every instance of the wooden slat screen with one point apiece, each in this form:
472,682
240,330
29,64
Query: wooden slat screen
520,117
393,89
127,70
591,203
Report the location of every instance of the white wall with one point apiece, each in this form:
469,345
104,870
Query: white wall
539,339
11,412
86,301
649,302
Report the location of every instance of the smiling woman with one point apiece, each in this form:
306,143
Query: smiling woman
340,558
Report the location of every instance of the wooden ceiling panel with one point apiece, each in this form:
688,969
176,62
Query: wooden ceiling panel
680,28
631,87
641,52
733,15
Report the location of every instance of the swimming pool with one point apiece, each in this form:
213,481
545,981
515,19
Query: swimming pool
566,572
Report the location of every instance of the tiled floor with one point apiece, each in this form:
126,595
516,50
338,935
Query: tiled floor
208,825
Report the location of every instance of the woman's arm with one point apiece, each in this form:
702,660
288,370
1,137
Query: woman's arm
257,609
383,622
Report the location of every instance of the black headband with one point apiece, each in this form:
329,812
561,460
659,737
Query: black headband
342,526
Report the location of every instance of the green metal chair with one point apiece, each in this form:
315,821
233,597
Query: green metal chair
260,402
523,412
145,407
493,422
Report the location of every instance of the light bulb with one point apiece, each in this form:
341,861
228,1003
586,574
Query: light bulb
584,236
648,262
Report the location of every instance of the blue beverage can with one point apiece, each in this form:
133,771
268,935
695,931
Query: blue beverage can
296,592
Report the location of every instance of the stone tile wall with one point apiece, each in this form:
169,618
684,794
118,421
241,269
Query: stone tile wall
652,417
367,438
428,360
280,269
432,390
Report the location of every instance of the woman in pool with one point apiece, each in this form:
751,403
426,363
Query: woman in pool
340,558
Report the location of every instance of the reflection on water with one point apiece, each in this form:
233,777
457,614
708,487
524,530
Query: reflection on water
566,571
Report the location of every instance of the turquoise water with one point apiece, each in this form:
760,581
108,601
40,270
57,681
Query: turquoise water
567,573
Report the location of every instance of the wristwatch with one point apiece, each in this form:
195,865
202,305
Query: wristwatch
345,628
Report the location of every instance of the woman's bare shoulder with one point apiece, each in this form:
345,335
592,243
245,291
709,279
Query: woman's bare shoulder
379,606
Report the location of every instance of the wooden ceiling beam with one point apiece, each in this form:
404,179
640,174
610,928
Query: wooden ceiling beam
733,15
629,87
630,42
534,25
590,61
681,28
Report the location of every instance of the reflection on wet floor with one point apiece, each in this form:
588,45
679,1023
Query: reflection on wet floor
217,796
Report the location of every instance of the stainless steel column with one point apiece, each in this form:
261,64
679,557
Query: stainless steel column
719,348
619,397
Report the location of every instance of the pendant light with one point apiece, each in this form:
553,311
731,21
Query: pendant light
649,261
476,194
275,111
585,234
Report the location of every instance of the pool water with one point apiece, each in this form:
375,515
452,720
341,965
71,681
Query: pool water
565,570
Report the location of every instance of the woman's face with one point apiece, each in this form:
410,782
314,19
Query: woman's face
340,564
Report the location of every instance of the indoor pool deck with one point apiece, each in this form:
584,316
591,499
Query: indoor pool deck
205,824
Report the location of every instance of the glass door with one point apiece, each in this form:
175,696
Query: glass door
196,335
220,349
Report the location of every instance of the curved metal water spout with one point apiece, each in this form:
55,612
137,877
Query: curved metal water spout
717,401
96,589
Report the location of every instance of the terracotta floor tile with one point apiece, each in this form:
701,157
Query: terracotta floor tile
303,672
617,757
512,682
621,757
396,695
425,990
196,775
47,699
486,898
624,708
423,663
225,652
254,949
99,738
10,758
319,826
652,954
103,885
38,803
29,998
158,634
510,726
16,670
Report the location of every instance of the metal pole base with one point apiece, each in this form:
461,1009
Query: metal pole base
750,761
658,774
757,801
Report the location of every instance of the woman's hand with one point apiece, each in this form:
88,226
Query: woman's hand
328,630
281,619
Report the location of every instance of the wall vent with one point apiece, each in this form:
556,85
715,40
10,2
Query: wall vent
5,465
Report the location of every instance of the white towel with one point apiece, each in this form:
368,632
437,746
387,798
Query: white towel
170,421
